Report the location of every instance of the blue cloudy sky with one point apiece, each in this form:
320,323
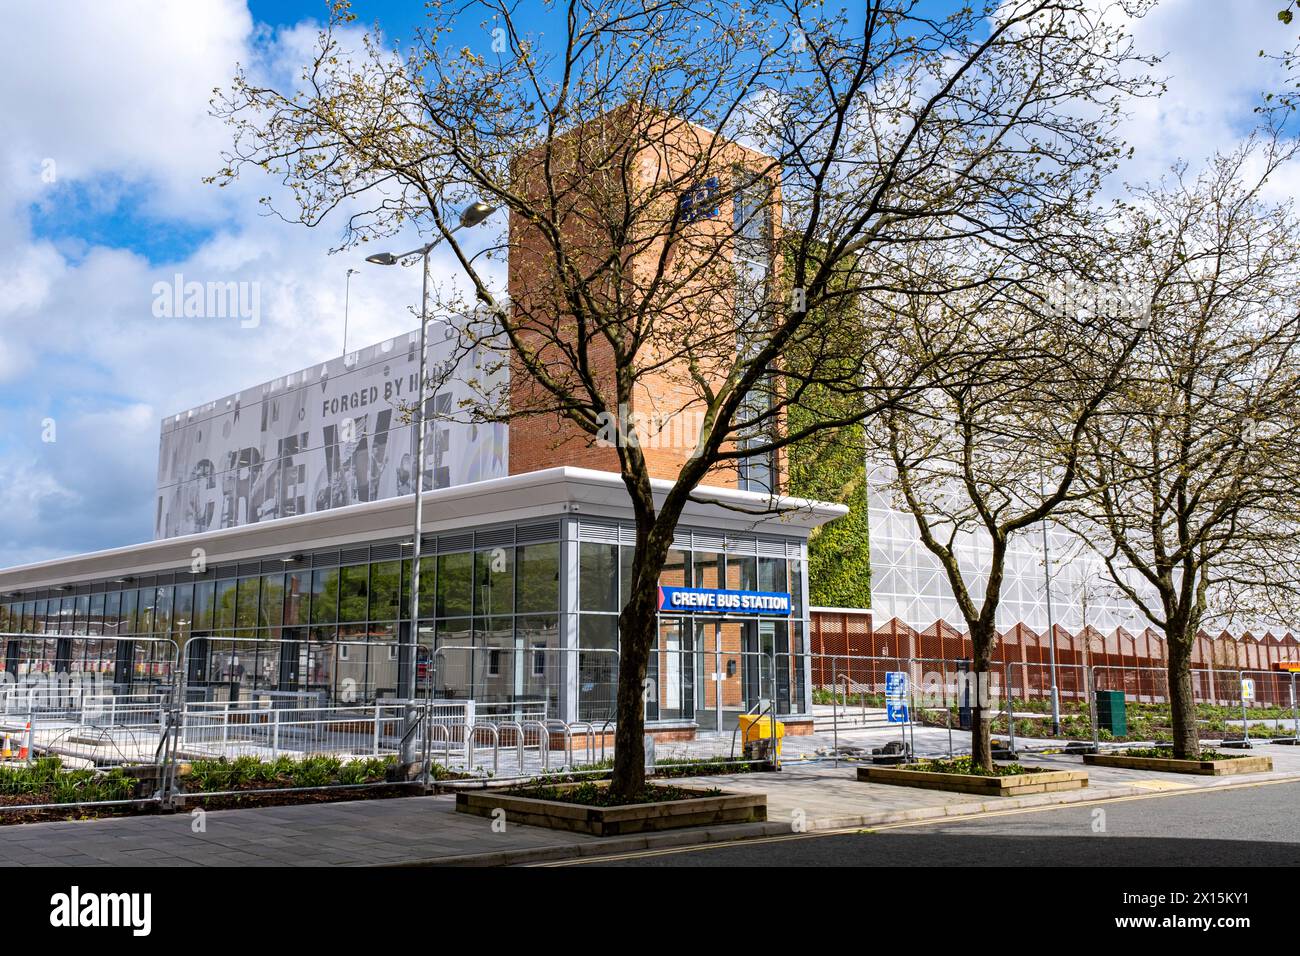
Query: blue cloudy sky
104,139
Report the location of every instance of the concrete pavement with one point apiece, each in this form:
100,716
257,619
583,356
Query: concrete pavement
1241,824
426,830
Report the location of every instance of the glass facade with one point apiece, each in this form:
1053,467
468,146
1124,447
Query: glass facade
751,214
333,627
705,668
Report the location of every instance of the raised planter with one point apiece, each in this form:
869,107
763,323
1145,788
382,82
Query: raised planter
704,810
1209,768
1045,781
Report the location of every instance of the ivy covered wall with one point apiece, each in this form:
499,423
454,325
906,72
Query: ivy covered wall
832,467
830,464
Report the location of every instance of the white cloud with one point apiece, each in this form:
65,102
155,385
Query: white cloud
126,114
1216,78
116,94
119,88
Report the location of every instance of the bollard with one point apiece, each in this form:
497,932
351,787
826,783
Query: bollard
1011,718
1245,727
1092,708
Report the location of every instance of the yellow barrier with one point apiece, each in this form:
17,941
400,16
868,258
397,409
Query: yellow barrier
755,727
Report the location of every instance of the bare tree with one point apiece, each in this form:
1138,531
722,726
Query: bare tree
1192,466
652,156
992,452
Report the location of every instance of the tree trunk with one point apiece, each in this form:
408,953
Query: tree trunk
981,648
1182,698
638,629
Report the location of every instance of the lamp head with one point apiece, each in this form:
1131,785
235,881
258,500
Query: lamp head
475,213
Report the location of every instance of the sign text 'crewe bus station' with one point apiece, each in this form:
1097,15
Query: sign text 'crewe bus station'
716,601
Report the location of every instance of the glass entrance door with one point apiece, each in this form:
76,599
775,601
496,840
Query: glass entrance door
728,672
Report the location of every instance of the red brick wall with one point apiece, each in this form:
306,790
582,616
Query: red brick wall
549,439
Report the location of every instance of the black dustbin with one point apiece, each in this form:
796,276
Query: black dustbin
1112,714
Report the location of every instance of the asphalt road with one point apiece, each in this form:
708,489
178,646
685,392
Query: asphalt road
1255,825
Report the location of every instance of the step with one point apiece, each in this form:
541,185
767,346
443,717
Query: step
871,722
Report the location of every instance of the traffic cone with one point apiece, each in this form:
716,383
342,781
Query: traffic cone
7,750
22,749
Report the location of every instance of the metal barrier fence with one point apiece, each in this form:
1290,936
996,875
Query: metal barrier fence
1229,701
849,690
131,725
153,721
520,682
88,721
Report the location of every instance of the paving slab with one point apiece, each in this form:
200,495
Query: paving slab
416,831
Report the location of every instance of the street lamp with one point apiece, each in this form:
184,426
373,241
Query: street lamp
347,293
1051,625
473,214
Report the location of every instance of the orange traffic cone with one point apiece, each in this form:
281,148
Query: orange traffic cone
22,749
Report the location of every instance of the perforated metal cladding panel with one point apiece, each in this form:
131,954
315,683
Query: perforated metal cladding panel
386,552
533,533
323,438
908,582
455,542
496,538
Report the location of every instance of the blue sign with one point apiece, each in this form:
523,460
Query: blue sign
714,601
701,201
895,685
897,713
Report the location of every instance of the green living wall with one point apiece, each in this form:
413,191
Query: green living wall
830,465
833,468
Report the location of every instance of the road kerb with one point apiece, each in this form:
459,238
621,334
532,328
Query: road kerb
750,831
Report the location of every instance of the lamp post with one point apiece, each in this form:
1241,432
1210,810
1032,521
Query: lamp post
474,214
347,292
1051,625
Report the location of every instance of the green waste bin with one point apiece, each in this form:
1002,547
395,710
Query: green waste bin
1112,714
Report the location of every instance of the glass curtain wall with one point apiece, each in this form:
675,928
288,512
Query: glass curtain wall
705,668
324,635
489,630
